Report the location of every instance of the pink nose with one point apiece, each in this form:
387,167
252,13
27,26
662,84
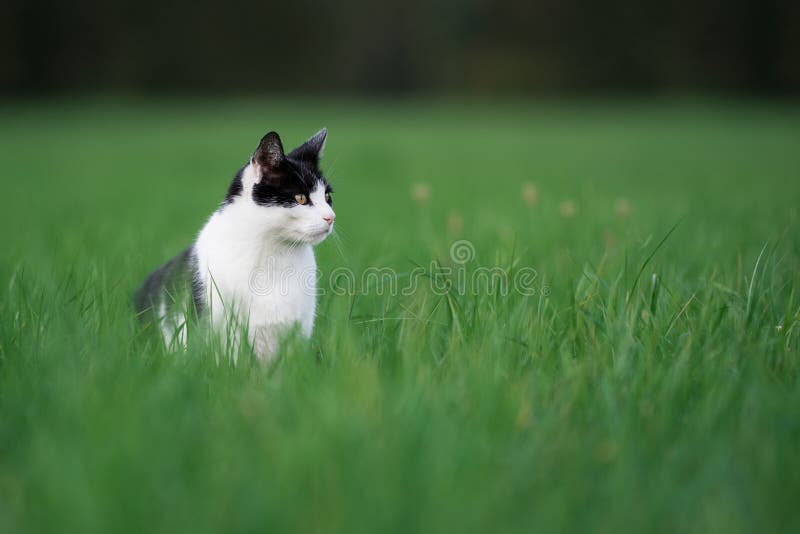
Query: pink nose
329,218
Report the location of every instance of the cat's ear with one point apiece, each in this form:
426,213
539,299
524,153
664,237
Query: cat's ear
312,149
269,154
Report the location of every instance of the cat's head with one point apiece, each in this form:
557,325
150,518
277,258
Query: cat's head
286,195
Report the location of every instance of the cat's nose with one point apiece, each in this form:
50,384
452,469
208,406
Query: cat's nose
329,218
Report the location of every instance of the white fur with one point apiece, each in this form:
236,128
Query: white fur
173,326
258,268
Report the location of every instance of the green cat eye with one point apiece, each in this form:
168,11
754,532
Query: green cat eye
301,199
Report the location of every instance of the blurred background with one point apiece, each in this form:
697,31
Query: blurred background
467,47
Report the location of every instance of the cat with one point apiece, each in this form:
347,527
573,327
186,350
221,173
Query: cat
252,266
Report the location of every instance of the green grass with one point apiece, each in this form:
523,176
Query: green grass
611,404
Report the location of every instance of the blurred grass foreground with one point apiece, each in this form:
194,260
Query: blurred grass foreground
645,384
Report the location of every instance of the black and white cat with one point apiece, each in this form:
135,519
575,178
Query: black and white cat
253,260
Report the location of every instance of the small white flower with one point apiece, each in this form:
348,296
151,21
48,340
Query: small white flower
421,193
568,209
530,194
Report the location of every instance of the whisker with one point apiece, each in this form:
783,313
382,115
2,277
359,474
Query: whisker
337,239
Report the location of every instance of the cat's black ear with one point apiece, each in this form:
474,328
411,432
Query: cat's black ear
269,153
312,149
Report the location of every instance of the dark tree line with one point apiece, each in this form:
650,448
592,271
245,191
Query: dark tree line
364,46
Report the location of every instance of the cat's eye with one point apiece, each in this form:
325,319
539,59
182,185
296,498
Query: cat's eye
301,199
328,198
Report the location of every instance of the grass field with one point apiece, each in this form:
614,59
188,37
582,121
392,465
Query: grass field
643,385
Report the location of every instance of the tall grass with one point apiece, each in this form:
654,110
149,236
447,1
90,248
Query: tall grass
650,382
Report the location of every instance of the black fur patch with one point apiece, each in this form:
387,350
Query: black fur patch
235,189
284,176
292,177
173,278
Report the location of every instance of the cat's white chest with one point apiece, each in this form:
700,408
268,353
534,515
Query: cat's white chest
281,290
265,288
